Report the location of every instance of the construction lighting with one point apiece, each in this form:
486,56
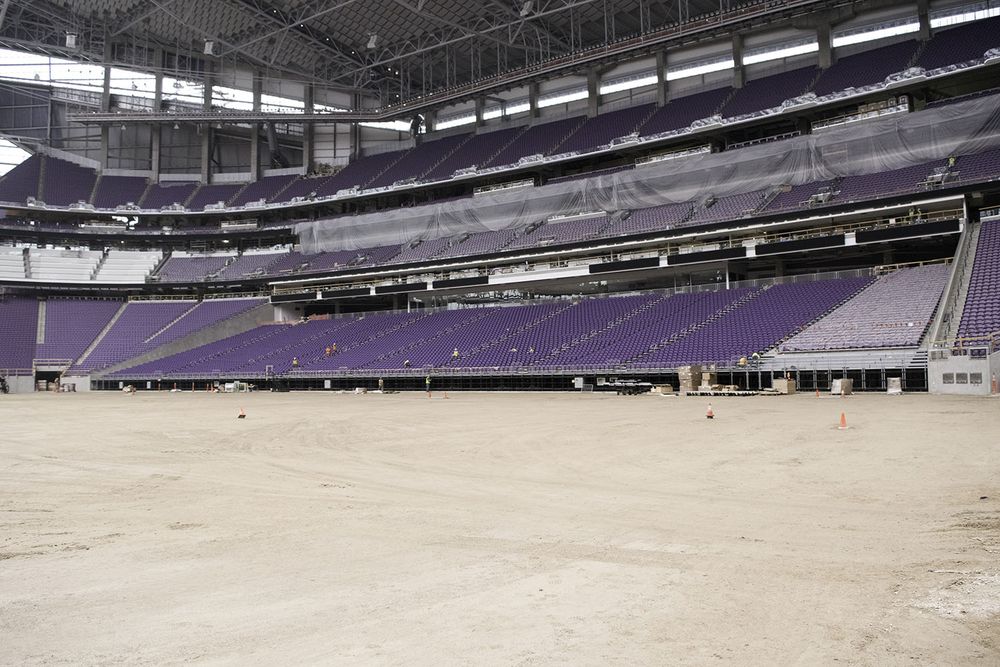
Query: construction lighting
526,8
209,47
71,40
372,41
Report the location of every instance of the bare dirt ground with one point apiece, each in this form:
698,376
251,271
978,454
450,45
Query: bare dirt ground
499,529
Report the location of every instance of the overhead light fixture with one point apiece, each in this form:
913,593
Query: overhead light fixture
372,41
209,47
420,5
526,8
71,40
176,126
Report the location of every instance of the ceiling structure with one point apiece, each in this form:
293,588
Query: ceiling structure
389,51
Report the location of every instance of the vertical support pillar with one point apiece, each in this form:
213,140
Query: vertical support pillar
106,106
593,96
256,92
206,135
739,77
309,129
156,130
480,108
355,148
825,45
925,22
533,99
661,78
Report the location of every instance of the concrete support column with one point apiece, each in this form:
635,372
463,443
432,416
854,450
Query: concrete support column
825,45
430,120
480,107
156,130
739,77
533,99
106,107
593,96
661,78
257,91
206,133
309,129
355,149
925,22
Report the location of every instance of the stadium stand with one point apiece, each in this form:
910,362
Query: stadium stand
114,191
71,325
18,331
894,311
981,314
65,183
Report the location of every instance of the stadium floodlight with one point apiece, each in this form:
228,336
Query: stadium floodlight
209,47
526,8
71,40
372,41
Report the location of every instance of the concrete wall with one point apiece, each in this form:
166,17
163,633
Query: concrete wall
956,375
21,384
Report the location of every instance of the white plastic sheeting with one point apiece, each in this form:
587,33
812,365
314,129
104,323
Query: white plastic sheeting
880,144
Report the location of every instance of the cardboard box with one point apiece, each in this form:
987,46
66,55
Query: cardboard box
783,386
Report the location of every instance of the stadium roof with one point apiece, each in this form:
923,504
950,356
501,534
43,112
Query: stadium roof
394,49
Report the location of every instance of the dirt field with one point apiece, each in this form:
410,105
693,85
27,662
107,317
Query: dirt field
499,529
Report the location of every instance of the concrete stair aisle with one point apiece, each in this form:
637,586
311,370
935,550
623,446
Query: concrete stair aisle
445,157
40,332
97,340
145,193
100,263
93,190
173,322
388,167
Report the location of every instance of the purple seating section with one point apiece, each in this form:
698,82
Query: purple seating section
476,152
114,191
65,183
419,161
894,311
266,188
651,219
641,331
604,128
732,207
71,325
159,195
249,265
798,196
555,233
870,186
981,315
769,92
537,139
421,251
190,269
960,44
481,243
978,166
22,181
680,113
18,332
213,194
866,68
302,187
359,173
143,326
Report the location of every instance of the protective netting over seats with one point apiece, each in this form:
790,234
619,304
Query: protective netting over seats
879,144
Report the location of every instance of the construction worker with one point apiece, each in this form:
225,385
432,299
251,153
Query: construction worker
455,355
427,383
334,347
381,384
295,362
951,161
328,351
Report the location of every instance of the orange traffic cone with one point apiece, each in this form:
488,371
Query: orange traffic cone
710,414
843,422
817,392
242,415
